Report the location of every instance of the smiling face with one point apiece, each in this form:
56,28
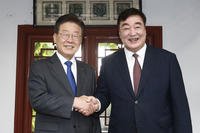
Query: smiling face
132,33
68,39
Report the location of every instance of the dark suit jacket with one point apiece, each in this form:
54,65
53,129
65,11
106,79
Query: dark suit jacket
160,106
52,98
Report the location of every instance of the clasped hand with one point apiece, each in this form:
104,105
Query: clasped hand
86,105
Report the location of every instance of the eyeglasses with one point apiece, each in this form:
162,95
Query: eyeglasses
66,36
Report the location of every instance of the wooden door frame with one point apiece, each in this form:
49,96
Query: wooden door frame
27,35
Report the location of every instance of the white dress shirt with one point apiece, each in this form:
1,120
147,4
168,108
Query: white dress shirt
73,66
131,60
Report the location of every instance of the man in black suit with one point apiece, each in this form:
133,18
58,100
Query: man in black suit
51,94
159,103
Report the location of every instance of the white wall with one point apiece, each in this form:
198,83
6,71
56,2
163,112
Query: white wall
181,34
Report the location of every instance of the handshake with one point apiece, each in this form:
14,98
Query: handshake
86,105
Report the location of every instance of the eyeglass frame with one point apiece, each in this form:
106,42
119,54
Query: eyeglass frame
74,36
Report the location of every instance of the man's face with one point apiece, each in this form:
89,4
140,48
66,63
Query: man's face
68,39
132,33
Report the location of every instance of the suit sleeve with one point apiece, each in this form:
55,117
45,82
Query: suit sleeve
180,107
41,100
102,88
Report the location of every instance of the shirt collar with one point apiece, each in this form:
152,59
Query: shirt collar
140,53
63,59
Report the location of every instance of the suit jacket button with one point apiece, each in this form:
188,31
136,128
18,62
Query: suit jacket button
74,126
136,101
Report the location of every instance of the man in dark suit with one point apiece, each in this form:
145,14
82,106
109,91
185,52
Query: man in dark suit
159,103
53,95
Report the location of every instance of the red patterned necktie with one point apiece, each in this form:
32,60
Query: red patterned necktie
136,73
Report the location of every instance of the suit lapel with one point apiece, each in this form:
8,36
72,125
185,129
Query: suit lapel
124,72
80,78
145,75
59,73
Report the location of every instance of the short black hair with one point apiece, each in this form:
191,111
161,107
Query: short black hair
68,18
130,12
